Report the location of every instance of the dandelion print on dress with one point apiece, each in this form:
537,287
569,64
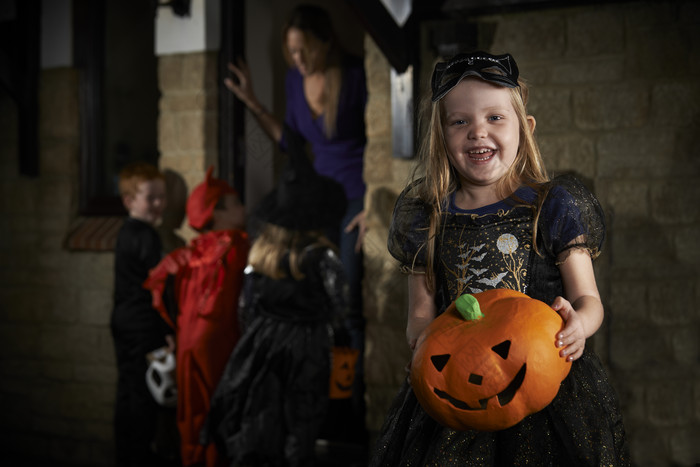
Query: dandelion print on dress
508,245
495,257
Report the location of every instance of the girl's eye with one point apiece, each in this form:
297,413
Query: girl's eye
459,122
495,117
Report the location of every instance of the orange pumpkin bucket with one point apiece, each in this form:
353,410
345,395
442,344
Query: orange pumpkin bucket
489,361
342,372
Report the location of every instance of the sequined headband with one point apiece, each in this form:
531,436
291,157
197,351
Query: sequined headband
497,69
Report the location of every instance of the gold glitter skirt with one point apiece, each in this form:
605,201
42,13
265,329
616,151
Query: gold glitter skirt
581,427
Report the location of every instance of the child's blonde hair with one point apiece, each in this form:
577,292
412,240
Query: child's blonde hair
267,254
440,177
135,173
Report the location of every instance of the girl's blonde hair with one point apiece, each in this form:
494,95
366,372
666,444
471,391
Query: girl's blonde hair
315,25
440,177
274,243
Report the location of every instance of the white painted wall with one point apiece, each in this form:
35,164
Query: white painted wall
197,32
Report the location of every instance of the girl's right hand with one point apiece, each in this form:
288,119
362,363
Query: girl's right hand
243,86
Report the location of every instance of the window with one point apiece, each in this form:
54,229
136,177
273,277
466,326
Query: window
114,49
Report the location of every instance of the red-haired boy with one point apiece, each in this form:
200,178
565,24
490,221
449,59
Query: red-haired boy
136,327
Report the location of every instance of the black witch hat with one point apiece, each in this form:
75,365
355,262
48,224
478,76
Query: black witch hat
303,199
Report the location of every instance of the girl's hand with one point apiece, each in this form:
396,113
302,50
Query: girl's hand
243,86
572,338
360,223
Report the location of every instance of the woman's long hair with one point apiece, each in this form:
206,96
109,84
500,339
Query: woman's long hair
314,22
440,177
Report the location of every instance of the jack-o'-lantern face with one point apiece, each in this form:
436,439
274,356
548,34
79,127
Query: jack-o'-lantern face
343,372
489,361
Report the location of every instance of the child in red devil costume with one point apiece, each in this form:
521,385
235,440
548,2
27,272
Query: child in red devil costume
196,289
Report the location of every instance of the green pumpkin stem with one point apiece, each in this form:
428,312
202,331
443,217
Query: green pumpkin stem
468,307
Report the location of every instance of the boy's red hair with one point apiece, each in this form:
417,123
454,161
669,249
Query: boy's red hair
133,174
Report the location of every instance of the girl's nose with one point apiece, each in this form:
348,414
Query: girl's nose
477,130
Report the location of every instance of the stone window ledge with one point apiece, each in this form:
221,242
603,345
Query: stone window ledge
93,234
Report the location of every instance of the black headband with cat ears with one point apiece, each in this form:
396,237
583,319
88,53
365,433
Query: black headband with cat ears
498,69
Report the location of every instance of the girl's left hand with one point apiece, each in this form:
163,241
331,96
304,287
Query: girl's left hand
358,222
571,339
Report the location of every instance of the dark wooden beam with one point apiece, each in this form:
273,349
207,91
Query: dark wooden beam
19,61
232,165
392,40
88,57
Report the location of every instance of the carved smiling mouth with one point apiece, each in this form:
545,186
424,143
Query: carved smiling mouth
504,397
342,387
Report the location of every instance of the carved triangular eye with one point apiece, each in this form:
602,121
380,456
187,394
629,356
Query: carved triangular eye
439,361
502,349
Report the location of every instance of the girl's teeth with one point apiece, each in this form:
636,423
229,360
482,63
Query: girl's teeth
473,154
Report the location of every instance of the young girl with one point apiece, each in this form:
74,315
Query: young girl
485,215
272,400
326,93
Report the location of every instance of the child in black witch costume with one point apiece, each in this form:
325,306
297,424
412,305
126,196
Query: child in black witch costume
272,399
484,215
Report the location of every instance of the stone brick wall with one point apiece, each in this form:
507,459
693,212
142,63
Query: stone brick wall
57,373
616,96
57,365
385,290
188,128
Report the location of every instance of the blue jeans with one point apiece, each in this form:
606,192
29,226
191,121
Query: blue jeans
355,323
352,262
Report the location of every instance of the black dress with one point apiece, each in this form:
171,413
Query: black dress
273,396
492,247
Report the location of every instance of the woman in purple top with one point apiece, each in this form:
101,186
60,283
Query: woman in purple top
326,95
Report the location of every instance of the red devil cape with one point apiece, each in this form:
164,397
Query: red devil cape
196,291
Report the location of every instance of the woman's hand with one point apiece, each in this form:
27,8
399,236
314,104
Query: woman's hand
358,222
243,86
571,339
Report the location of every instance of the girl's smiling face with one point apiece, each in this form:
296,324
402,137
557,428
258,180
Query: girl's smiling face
481,131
